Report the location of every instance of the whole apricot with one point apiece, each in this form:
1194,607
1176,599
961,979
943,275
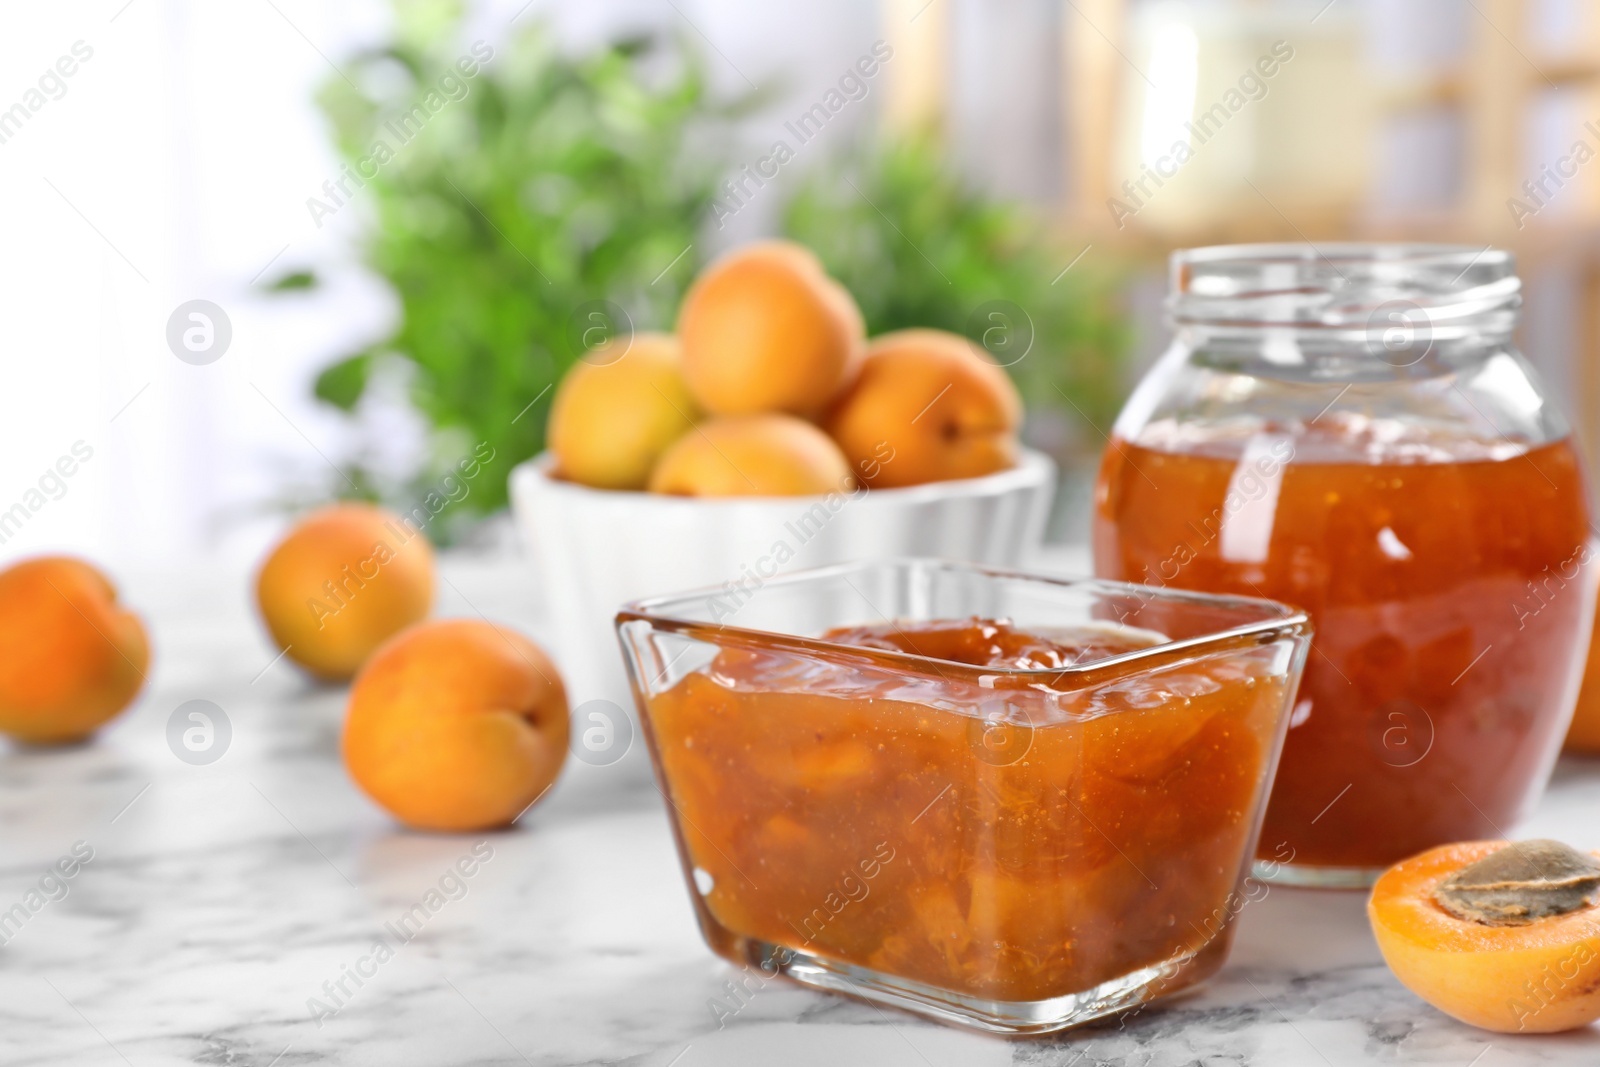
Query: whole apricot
341,582
1584,733
71,657
611,420
753,455
765,329
1539,976
456,724
927,407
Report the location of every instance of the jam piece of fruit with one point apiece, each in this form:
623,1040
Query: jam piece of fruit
997,642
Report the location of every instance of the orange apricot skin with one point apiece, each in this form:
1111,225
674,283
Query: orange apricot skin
1584,734
753,455
456,725
611,421
765,329
342,581
71,657
1535,979
942,410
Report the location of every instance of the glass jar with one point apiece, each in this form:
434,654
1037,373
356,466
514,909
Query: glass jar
1350,430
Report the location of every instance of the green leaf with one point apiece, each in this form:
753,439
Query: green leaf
300,279
343,383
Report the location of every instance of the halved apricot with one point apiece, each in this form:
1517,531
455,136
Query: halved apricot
1537,977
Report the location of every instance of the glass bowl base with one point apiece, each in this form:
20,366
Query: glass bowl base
992,1016
1307,876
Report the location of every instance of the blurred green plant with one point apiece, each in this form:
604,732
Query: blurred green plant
507,204
535,188
919,246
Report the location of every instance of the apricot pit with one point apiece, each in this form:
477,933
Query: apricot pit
1520,884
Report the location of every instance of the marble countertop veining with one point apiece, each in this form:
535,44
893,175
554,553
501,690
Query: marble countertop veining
233,913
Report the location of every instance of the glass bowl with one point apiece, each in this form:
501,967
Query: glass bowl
1016,850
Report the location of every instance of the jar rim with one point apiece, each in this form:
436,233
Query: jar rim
1346,286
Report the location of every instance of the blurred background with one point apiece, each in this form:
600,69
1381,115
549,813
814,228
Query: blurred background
272,252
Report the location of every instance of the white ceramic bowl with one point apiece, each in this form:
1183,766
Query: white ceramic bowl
595,550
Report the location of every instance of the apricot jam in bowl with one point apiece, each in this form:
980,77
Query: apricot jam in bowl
1011,802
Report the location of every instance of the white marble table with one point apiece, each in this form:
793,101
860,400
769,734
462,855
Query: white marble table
221,898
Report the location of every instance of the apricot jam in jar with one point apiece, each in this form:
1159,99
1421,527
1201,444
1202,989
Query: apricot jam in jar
1349,430
1009,802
